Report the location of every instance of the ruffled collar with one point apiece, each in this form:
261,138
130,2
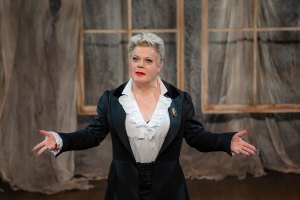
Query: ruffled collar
133,113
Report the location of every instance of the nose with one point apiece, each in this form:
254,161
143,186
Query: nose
141,64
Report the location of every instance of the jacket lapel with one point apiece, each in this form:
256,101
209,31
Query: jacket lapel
175,114
118,117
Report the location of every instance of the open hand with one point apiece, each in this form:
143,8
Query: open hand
239,146
48,143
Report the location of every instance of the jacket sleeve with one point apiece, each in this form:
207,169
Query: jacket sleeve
200,138
91,135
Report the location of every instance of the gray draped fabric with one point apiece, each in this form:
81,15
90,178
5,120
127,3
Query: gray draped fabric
38,65
38,62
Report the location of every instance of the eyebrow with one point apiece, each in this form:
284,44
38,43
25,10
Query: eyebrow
144,58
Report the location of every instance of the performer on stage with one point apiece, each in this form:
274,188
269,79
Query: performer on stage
147,119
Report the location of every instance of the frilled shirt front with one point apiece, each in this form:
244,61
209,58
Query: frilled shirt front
146,138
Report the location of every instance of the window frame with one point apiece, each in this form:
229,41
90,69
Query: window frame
206,107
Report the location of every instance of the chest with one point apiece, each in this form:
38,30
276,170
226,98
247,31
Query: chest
147,106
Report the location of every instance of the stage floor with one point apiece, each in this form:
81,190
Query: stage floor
273,186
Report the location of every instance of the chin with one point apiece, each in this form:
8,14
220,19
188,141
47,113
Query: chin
139,79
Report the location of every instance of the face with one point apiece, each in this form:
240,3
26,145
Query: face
144,64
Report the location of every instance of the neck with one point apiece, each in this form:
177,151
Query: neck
143,89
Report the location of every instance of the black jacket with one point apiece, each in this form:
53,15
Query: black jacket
168,180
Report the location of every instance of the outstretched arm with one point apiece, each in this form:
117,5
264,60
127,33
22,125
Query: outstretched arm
203,140
85,138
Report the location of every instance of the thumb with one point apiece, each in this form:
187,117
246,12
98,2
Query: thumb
45,133
242,133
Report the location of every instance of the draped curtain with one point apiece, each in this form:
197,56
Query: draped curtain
38,62
39,43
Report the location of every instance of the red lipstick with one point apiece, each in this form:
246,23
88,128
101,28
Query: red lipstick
140,73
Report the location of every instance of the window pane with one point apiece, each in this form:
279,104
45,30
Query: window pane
105,64
230,68
103,14
230,13
169,71
279,13
159,14
192,81
279,67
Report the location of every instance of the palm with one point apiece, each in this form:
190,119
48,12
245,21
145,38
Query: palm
239,146
48,143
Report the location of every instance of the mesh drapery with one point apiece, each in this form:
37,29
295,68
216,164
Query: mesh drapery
38,62
39,41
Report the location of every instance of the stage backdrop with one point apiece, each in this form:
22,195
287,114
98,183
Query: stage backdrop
39,42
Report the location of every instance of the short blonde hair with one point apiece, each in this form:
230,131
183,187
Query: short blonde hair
147,39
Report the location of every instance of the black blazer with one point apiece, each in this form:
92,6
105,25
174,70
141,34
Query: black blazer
168,180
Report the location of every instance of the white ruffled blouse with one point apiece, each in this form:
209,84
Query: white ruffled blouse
145,138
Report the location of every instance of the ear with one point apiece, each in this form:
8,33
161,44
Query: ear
161,65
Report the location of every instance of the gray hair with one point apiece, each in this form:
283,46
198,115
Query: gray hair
147,39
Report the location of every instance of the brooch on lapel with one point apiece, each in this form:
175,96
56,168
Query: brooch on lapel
174,112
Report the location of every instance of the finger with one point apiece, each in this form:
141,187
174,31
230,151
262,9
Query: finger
243,152
38,146
246,144
41,150
250,151
242,133
237,152
45,133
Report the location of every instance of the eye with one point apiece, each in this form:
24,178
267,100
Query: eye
135,59
149,61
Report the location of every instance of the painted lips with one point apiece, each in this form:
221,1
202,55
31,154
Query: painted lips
140,73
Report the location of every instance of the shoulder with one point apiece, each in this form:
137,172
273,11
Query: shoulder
106,96
117,92
173,91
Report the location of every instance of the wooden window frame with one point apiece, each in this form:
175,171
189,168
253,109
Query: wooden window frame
237,108
82,108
